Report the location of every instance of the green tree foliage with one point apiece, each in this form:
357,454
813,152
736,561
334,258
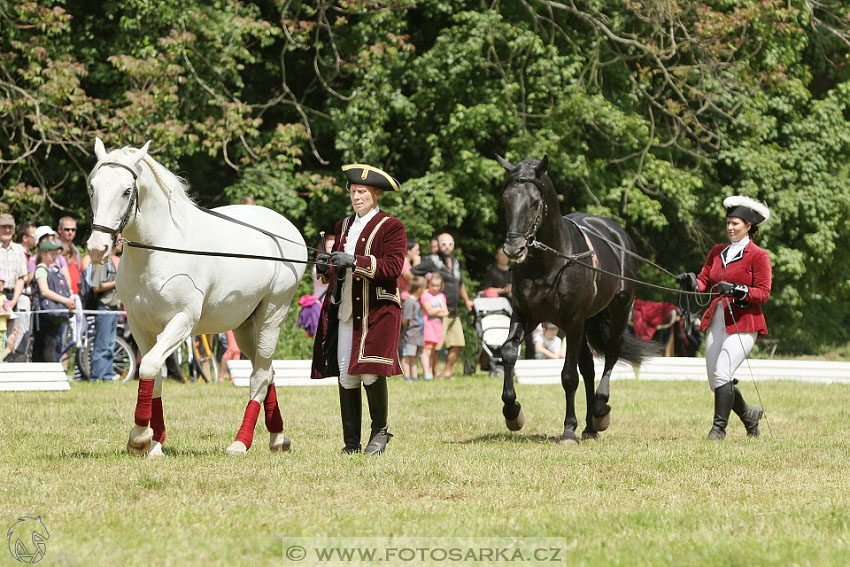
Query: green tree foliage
652,112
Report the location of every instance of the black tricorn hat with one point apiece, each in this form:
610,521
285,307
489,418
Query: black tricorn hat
362,174
746,209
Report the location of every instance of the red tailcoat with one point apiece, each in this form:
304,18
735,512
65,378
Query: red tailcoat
752,269
376,304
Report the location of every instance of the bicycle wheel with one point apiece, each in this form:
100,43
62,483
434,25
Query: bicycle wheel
124,364
201,358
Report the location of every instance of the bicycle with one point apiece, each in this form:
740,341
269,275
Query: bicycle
124,365
196,359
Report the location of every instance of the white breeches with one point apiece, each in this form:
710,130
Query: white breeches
343,355
724,352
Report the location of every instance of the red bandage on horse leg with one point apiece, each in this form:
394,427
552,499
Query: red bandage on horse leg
246,432
274,422
157,420
143,403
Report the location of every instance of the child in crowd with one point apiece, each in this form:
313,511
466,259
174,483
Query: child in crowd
547,344
433,302
412,332
5,313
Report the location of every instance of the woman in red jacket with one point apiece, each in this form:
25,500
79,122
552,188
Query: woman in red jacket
739,272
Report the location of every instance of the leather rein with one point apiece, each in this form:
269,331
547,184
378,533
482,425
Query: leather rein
133,207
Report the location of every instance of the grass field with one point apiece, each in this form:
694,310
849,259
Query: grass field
650,491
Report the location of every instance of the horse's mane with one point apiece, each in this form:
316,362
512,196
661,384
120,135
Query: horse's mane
174,186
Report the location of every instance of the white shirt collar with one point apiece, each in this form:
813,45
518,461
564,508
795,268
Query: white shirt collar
367,217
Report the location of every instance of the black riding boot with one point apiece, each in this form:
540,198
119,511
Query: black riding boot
723,398
350,407
750,415
376,394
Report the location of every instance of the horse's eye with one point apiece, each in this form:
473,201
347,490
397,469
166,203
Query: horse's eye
126,192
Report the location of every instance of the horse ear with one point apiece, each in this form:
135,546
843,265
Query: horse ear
99,149
543,166
143,151
504,163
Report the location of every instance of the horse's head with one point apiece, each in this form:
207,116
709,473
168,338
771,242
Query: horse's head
525,205
114,195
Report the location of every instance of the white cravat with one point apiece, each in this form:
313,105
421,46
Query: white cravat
734,250
346,307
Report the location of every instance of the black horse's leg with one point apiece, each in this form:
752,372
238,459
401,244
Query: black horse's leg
588,374
514,418
618,311
569,380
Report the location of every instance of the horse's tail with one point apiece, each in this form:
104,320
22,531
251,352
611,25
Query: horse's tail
632,349
635,350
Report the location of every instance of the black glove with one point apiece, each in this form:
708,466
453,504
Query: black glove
687,281
323,268
738,291
341,260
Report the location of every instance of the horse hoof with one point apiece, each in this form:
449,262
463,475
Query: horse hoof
279,443
156,450
237,448
602,423
568,442
140,440
585,435
516,423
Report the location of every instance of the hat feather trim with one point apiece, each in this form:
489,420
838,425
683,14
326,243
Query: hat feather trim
741,201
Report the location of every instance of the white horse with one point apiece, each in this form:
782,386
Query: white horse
170,296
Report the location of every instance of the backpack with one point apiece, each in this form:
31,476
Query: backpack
56,282
88,298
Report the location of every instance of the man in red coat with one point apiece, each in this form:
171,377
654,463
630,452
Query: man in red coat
740,273
357,337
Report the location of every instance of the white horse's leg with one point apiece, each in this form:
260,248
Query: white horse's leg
141,435
260,336
157,420
244,438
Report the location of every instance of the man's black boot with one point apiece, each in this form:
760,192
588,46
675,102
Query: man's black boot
376,394
350,408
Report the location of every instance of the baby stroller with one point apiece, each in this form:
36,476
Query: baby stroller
492,321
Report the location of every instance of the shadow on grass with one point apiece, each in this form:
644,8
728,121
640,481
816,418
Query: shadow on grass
509,438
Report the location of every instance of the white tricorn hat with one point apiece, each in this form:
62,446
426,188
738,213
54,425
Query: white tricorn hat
746,209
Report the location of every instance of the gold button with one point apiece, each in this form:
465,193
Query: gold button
362,240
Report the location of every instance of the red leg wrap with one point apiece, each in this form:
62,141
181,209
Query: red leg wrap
143,403
274,422
157,420
246,432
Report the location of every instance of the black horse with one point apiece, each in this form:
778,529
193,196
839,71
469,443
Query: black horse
551,282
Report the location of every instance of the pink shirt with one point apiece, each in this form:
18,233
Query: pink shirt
433,327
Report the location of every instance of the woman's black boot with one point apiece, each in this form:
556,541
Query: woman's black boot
723,399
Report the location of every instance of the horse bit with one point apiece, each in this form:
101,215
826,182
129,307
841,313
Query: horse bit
134,199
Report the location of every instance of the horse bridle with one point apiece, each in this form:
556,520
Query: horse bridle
134,199
530,235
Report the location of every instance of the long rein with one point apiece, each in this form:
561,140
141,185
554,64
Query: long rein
531,238
133,203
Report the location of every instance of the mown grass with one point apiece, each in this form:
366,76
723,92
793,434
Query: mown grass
650,491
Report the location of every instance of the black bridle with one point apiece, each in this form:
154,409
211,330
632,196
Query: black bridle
530,235
134,199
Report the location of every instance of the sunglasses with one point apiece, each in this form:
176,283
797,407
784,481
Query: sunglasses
69,229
